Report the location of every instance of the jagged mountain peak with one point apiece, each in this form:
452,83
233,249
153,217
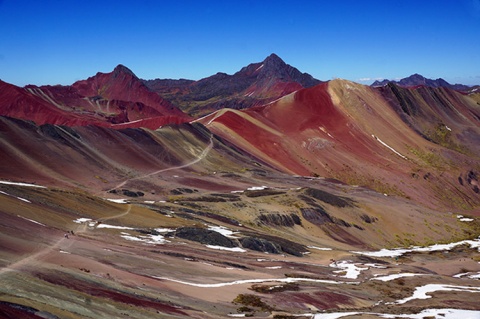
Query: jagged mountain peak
274,60
274,67
121,69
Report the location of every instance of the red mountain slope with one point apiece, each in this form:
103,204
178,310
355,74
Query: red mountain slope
106,99
31,103
350,132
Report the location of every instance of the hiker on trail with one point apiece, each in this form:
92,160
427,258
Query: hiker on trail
66,235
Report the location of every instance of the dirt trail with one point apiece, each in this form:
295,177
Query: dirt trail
63,243
198,159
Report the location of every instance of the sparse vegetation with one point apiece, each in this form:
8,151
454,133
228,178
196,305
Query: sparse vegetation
249,300
269,289
429,158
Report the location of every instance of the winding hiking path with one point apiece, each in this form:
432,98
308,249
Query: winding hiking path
84,226
34,258
200,157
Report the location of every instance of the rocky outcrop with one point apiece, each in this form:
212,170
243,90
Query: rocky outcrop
280,220
204,236
127,192
329,198
260,244
273,245
319,216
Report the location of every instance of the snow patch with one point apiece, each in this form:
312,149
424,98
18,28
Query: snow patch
319,248
113,226
389,147
249,281
395,276
464,219
235,249
351,270
148,239
261,66
256,188
21,184
426,313
397,252
31,220
22,199
325,131
119,201
423,291
82,220
223,230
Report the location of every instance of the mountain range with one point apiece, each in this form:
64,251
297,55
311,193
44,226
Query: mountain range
121,196
415,80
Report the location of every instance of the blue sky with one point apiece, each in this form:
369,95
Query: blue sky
60,42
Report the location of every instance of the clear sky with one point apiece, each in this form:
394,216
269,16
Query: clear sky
60,42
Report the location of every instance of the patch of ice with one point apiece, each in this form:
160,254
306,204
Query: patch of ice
21,184
395,276
235,249
149,202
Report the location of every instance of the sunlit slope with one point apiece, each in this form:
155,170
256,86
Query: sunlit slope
99,158
351,132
